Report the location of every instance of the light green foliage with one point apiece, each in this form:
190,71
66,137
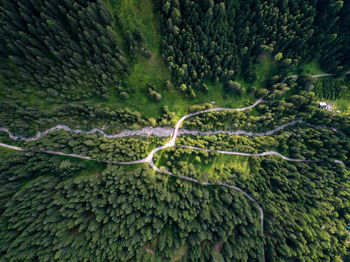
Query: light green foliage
278,56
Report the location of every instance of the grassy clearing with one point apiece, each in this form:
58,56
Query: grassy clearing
220,162
176,101
312,68
213,166
178,104
265,69
93,168
139,15
342,104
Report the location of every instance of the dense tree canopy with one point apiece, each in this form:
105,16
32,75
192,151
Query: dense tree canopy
68,49
220,39
124,216
100,67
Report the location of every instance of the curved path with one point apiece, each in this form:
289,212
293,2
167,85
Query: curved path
220,184
247,133
171,143
268,153
314,76
146,131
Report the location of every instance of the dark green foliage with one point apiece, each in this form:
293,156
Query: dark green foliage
192,47
306,81
332,40
96,146
317,197
26,120
115,216
17,169
331,88
68,48
305,204
218,40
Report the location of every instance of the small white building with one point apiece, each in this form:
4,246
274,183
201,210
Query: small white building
323,105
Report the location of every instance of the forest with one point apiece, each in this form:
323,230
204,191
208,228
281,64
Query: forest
174,130
222,40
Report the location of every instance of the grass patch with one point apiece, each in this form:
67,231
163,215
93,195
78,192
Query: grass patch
312,68
220,162
266,68
342,104
93,168
139,15
176,101
212,166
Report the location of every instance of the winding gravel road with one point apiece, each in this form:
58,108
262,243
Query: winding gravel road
172,143
220,184
149,158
